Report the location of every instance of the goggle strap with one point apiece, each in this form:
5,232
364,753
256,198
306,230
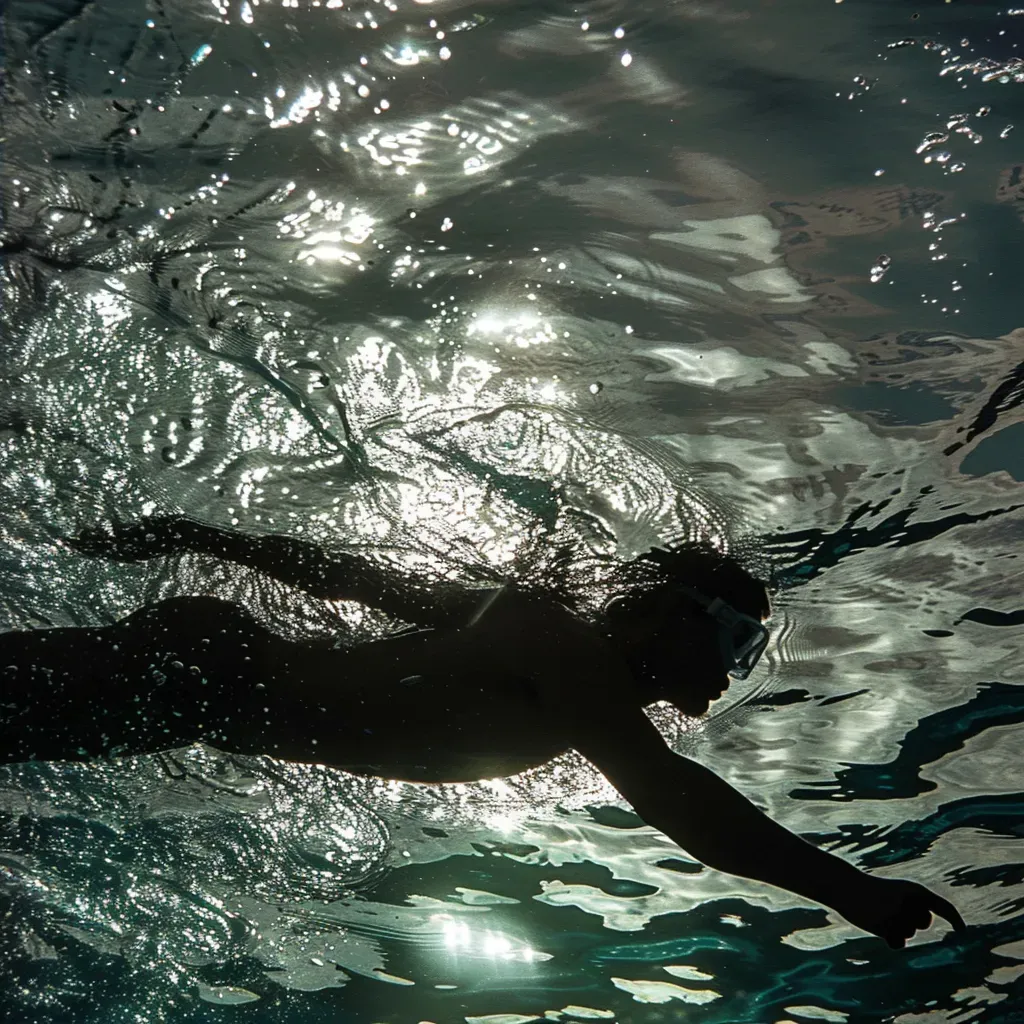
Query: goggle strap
723,613
727,616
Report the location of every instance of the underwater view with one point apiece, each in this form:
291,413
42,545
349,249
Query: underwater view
479,293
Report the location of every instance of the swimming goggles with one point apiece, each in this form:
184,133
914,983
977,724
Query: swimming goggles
741,638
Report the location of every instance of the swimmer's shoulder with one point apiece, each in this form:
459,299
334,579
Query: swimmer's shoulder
542,639
509,612
510,634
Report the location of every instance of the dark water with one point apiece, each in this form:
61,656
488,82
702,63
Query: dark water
473,279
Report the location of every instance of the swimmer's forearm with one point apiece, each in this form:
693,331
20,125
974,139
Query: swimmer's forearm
338,576
335,575
723,829
291,561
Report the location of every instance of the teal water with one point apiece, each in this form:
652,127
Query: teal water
460,284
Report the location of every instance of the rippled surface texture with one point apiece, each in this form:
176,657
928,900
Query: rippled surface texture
467,285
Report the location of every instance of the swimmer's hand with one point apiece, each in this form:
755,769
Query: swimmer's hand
895,909
720,827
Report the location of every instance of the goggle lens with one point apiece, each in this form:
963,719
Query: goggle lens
743,642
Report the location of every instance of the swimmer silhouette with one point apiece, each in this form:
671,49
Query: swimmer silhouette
492,683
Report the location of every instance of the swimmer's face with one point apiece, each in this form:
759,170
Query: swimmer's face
682,663
701,677
686,659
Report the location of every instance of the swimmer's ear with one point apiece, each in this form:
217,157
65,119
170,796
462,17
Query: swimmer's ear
619,619
625,610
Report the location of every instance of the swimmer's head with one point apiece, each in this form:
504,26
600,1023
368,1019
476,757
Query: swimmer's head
669,639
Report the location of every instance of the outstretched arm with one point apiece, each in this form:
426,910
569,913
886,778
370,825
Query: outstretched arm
720,827
334,576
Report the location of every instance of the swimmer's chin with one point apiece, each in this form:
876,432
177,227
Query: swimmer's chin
694,708
697,706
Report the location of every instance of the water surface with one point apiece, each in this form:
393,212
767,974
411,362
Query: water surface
462,284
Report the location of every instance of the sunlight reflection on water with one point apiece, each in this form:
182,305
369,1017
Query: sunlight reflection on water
430,279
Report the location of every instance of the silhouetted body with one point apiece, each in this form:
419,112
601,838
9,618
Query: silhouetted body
433,705
495,683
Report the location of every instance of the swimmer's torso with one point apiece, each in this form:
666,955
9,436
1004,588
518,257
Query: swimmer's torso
414,707
494,698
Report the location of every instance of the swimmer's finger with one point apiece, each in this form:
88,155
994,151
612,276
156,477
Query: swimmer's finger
944,909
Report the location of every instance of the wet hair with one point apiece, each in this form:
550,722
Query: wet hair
653,580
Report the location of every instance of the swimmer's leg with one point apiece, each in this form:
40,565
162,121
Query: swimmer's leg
171,674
